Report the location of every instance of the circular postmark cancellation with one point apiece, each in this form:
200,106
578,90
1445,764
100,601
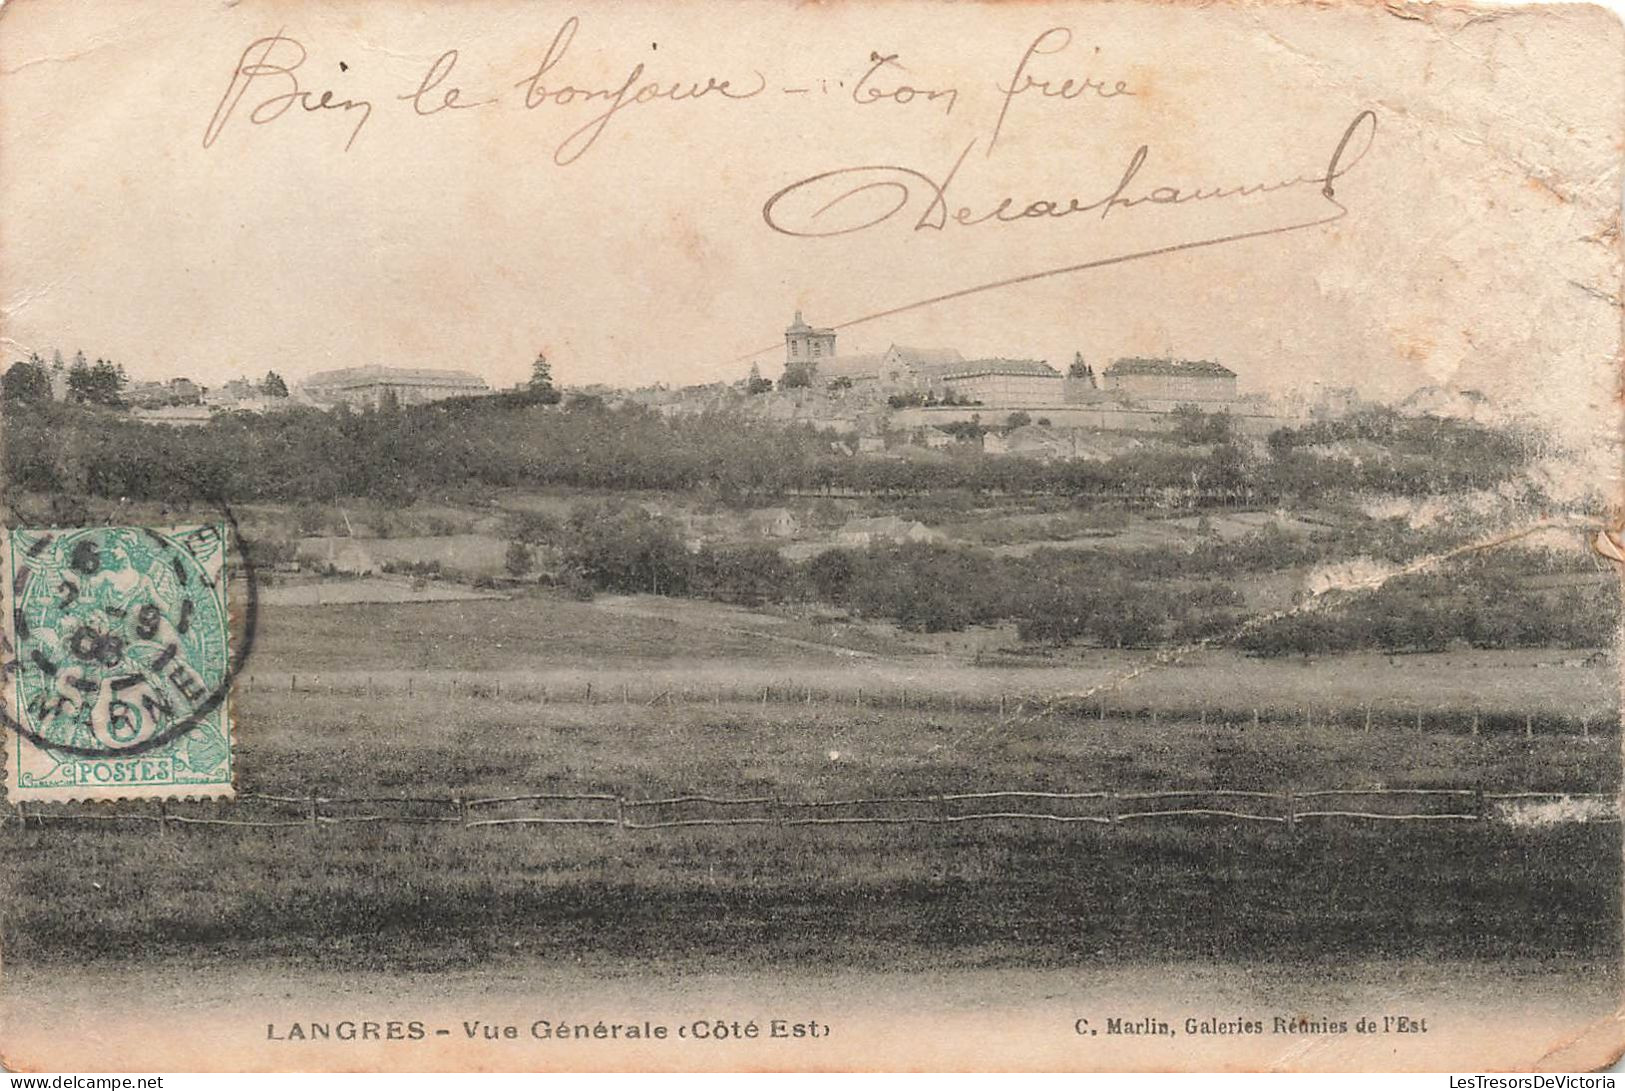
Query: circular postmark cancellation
120,660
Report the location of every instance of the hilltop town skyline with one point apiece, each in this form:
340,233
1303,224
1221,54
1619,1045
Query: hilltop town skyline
1264,379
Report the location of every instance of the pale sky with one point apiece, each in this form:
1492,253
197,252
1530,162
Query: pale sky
1470,254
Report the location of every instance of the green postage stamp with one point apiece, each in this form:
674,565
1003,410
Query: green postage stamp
118,663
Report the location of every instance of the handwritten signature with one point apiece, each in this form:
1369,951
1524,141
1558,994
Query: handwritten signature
852,199
840,191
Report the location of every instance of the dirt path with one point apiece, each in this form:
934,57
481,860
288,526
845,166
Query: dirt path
633,607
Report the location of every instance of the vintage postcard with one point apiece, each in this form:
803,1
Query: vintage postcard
781,536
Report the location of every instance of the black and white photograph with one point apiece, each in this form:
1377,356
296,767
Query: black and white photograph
810,537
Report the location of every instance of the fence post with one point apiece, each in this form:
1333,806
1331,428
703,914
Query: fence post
765,689
620,812
942,809
1368,719
1001,706
1112,809
454,687
1419,720
860,696
163,819
1529,725
626,693
1308,717
1103,708
462,810
589,693
22,816
1203,722
409,685
1475,721
1255,719
315,821
1153,716
293,682
1291,812
1585,727
1478,804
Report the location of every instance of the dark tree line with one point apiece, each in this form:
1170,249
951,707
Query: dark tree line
521,439
1129,599
29,382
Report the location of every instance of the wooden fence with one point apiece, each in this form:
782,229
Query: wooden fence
1092,706
1287,808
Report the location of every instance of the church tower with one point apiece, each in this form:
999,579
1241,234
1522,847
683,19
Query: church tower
805,346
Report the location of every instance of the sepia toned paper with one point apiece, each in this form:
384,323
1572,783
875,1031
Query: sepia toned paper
1052,536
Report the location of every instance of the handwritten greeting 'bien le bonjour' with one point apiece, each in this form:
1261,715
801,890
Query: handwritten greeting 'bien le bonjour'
266,85
269,71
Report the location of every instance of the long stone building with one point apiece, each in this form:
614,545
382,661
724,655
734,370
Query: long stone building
1005,382
1162,379
372,386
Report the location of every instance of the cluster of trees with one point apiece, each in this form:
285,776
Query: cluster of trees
1420,455
612,545
1126,599
522,438
101,383
29,381
1479,603
755,383
1192,425
1056,596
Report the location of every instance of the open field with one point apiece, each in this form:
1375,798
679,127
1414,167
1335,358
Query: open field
382,589
386,898
390,898
646,646
354,744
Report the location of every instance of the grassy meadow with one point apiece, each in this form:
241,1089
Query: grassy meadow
648,646
391,897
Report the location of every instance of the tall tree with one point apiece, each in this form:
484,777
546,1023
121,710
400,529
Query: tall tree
272,386
100,383
78,377
27,381
541,388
